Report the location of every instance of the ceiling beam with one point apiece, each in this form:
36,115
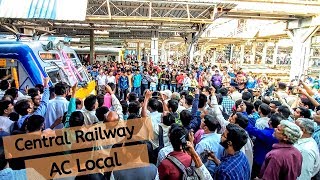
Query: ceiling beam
99,18
259,16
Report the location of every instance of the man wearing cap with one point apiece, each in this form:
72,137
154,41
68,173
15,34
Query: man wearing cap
166,95
233,92
284,161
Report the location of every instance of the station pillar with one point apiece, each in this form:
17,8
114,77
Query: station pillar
91,46
301,49
214,57
253,52
138,51
191,49
242,53
154,50
275,53
264,53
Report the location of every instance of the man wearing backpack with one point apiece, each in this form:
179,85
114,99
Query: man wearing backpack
178,162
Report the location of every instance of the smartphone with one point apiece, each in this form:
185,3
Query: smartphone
184,143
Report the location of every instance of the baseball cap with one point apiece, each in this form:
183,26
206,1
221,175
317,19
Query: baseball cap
167,92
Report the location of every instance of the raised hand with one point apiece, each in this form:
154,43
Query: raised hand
46,81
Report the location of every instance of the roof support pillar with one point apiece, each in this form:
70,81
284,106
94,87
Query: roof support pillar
253,53
242,47
264,53
301,50
275,53
155,46
91,46
191,51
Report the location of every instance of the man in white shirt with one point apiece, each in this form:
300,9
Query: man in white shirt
111,78
57,107
233,92
309,150
102,80
263,122
5,109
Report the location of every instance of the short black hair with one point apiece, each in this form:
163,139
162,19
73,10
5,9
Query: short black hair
275,119
22,106
256,104
185,117
305,112
223,91
250,107
277,103
176,133
202,100
173,104
61,88
241,120
40,87
132,97
265,109
4,105
12,92
100,99
307,102
89,102
284,111
168,119
189,99
34,123
100,112
154,104
134,107
76,119
246,96
212,123
237,136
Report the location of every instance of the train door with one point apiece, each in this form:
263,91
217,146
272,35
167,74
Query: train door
12,70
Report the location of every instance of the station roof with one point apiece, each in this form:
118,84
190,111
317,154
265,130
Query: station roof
140,19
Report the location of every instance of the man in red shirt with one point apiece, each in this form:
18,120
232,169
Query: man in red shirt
167,170
179,81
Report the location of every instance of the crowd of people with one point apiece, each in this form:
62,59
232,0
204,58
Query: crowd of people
209,122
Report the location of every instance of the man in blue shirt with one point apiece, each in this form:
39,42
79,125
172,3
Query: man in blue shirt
264,140
123,85
25,107
137,78
210,141
235,165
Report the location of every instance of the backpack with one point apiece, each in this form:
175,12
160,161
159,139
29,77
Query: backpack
189,173
153,153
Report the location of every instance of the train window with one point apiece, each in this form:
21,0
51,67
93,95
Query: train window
49,56
57,76
71,55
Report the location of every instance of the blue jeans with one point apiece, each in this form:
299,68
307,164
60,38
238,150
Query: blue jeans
144,87
137,90
173,87
153,88
164,87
